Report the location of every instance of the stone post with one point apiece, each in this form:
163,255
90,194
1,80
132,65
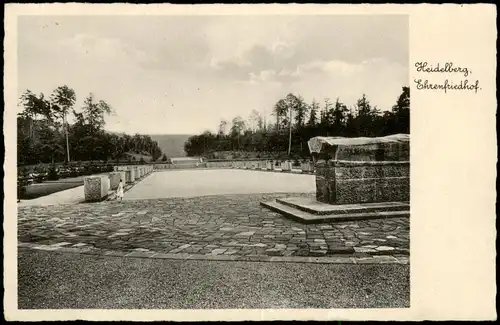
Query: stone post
286,166
96,188
270,165
114,180
129,176
123,175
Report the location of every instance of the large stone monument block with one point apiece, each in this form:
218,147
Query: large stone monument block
356,179
372,170
96,188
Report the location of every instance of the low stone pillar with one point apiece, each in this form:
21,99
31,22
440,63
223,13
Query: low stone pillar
129,176
114,179
306,167
286,166
96,188
123,175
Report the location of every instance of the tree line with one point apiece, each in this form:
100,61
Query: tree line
296,121
45,136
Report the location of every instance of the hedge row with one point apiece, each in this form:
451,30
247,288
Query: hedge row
40,174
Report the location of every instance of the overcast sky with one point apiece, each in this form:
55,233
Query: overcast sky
183,74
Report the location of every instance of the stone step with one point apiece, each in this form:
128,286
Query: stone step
319,208
309,218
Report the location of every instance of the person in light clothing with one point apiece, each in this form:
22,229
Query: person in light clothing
119,191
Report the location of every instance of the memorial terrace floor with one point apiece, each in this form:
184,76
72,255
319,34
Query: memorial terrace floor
220,227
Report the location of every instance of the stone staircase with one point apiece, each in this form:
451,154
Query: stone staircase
307,210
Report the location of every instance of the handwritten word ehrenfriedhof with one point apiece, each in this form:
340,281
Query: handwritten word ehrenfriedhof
448,70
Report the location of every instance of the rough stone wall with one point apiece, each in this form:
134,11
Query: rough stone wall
375,152
371,182
325,182
364,174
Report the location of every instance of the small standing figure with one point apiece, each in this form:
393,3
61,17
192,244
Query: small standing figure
119,191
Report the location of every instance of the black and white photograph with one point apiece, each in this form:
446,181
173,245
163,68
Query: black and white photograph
213,162
222,161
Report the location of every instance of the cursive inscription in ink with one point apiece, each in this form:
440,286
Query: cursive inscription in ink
456,78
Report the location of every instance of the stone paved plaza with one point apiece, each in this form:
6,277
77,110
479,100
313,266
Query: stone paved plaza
219,227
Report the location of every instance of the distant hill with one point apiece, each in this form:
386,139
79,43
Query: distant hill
171,145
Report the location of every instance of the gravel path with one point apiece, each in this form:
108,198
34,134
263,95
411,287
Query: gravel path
51,280
188,183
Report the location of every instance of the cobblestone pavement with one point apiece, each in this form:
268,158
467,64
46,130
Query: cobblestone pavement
228,227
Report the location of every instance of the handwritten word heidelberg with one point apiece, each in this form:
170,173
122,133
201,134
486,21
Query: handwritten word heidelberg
447,84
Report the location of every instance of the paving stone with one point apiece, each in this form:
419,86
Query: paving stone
364,250
320,252
234,222
61,244
384,248
273,252
248,233
141,250
218,251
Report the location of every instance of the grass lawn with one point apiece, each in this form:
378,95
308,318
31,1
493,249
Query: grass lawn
37,190
48,187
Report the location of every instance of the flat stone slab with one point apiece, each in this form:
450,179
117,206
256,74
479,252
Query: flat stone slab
315,207
338,213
